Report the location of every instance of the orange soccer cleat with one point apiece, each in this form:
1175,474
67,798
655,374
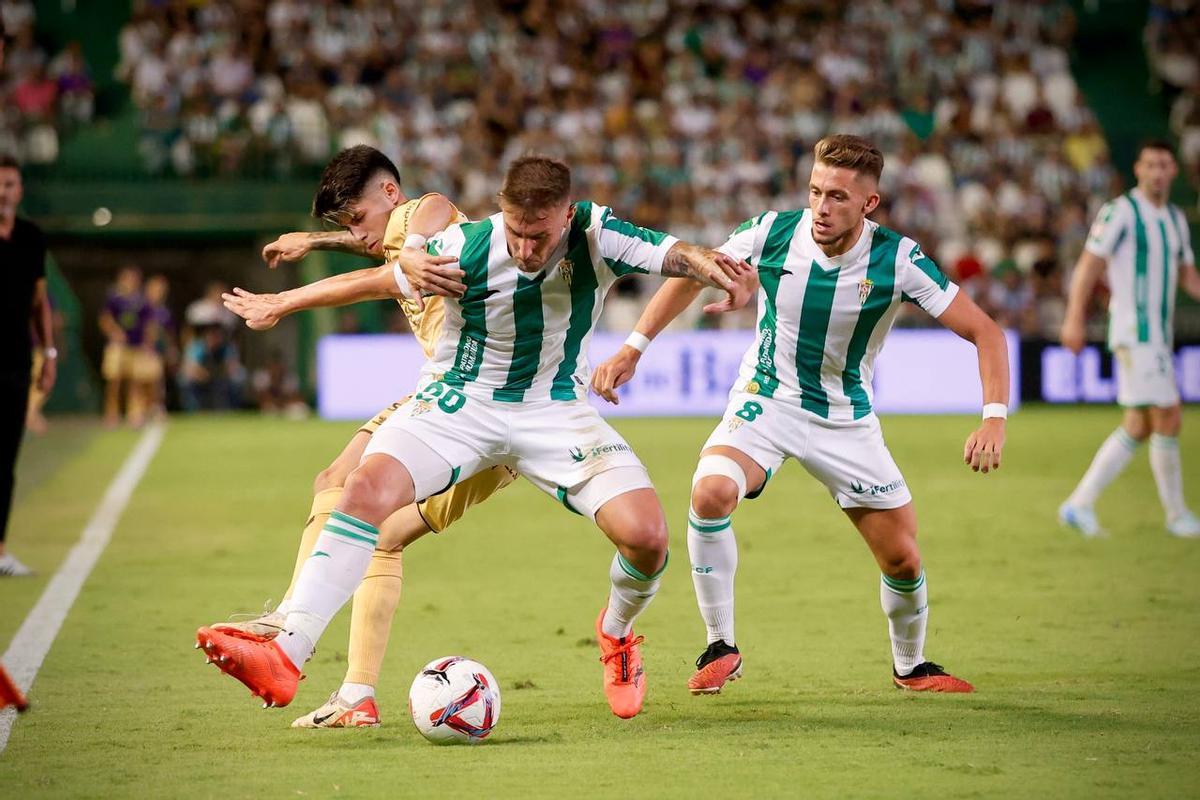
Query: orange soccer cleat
257,662
719,663
930,677
624,676
10,694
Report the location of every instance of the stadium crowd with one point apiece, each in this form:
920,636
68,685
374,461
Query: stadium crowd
40,96
683,116
1171,38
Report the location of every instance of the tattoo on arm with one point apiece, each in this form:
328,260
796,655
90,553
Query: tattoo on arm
677,262
337,240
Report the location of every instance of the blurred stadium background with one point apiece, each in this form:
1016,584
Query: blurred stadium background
179,136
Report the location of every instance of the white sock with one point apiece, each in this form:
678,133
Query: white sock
284,606
630,594
1110,459
906,604
1168,474
713,550
355,693
327,581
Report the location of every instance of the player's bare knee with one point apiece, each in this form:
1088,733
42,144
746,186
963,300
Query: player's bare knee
1166,421
1137,424
715,496
368,496
903,565
332,477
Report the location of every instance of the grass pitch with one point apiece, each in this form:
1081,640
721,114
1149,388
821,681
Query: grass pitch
1086,654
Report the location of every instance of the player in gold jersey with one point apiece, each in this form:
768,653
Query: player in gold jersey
360,192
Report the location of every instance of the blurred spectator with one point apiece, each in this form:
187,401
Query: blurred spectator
277,389
209,310
38,95
166,348
131,366
1171,36
1011,296
211,376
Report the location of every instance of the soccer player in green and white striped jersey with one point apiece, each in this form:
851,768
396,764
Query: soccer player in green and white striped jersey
832,283
506,384
1144,245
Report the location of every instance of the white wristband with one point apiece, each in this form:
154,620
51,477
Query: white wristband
415,241
638,342
402,282
991,410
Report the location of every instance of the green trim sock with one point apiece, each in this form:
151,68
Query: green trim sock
631,592
1110,460
327,581
1167,467
906,605
714,555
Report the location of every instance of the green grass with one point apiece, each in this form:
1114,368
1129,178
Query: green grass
1086,654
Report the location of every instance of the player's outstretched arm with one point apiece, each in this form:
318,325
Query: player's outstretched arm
983,448
291,247
428,274
1074,327
263,311
668,302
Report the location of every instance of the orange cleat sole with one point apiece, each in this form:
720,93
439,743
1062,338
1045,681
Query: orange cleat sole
934,683
715,674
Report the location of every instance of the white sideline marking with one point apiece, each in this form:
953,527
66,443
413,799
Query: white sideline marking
37,633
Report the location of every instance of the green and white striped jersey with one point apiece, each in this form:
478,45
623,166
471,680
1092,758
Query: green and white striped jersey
821,320
1145,246
516,336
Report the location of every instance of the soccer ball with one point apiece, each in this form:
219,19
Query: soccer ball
454,699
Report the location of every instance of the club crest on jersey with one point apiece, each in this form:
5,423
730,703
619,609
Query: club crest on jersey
864,290
567,270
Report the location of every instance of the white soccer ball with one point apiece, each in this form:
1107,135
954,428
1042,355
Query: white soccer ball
454,699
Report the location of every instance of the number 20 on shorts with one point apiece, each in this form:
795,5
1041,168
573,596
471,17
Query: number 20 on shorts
448,400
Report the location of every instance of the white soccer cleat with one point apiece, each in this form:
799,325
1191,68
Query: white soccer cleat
337,713
1081,518
10,567
1185,526
267,626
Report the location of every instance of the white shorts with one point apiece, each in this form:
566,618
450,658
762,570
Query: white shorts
566,449
850,458
1146,376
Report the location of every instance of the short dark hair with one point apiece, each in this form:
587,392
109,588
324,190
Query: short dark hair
346,177
852,152
1155,144
534,183
9,161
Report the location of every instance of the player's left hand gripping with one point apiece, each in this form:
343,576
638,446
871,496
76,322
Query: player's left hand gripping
984,446
261,311
614,373
741,291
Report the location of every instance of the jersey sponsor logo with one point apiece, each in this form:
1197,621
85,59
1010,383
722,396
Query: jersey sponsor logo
864,290
579,454
857,488
766,341
702,570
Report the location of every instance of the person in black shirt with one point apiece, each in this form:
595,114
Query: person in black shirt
24,316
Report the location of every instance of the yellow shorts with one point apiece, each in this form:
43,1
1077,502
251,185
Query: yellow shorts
442,510
131,363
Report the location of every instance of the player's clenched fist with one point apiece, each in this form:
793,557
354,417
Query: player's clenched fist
614,373
261,311
287,248
983,448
